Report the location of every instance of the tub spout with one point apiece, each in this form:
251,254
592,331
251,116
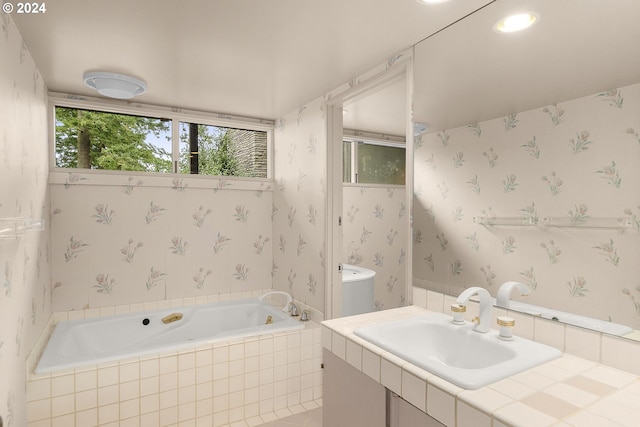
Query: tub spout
173,317
484,318
504,293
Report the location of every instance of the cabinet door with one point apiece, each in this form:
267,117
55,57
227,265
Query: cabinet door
404,414
349,397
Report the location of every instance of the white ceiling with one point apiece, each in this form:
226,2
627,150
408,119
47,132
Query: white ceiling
266,58
468,73
257,58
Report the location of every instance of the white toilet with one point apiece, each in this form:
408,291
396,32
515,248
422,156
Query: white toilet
357,290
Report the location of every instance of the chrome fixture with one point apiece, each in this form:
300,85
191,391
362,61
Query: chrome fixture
305,316
504,293
484,318
294,310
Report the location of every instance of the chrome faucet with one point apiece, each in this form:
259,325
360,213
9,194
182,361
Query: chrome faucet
293,310
504,293
484,317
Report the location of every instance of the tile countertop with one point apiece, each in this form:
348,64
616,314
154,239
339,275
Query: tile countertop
568,391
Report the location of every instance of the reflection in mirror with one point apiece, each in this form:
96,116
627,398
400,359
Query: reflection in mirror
375,220
532,125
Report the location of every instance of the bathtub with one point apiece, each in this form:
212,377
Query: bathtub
77,343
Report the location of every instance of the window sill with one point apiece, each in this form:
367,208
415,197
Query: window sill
131,180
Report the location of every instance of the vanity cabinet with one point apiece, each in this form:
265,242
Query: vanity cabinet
352,399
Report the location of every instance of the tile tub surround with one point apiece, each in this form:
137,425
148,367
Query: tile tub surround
252,380
569,391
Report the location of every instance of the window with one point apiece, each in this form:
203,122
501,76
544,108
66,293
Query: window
213,150
88,139
373,163
101,140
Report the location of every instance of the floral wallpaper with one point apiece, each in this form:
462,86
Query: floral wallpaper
121,239
375,237
24,261
299,205
576,163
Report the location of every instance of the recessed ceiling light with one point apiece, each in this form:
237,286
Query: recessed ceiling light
115,85
516,22
431,1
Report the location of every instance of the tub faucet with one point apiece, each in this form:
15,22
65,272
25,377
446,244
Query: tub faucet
484,318
294,310
504,293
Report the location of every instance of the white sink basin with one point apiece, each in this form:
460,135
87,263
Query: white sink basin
456,353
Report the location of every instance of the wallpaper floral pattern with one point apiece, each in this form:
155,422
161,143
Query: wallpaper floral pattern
574,162
299,205
375,237
119,244
24,262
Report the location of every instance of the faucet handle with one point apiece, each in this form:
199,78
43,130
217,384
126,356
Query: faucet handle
506,327
458,311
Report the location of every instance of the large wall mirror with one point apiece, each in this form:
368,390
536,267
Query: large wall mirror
528,170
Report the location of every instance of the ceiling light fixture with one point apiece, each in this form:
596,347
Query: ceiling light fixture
431,1
114,85
516,22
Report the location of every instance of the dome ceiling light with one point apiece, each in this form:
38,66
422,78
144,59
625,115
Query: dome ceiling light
114,85
516,22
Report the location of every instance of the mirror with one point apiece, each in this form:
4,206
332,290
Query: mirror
528,170
374,200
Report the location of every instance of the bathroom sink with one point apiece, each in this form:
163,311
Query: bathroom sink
457,353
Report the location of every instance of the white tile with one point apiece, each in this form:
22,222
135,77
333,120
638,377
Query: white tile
39,410
441,405
88,418
186,360
549,332
62,385
129,408
522,415
583,343
86,380
62,405
38,389
419,296
108,395
338,345
86,399
589,419
414,390
610,376
63,421
468,416
149,368
354,354
371,364
435,301
391,372
621,353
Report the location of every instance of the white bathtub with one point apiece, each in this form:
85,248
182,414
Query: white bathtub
78,343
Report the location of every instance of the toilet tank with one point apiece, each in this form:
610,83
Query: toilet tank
357,290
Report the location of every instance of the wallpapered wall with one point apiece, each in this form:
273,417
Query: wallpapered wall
121,239
299,205
24,262
576,161
375,237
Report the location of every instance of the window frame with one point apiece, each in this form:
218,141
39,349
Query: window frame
176,115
